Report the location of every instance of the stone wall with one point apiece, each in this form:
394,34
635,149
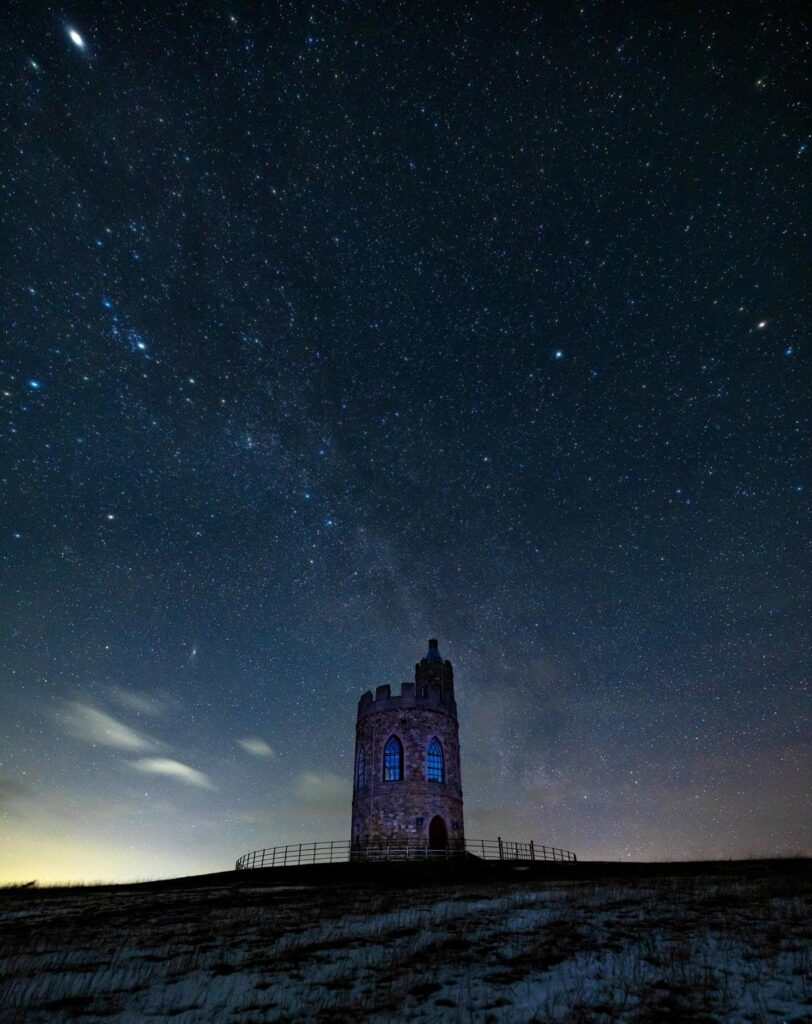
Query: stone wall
386,811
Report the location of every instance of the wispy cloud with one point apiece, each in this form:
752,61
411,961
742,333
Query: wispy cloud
174,770
257,747
326,793
94,726
13,793
153,704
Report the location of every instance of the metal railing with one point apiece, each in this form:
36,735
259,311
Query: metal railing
343,850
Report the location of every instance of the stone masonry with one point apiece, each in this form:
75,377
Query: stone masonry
414,808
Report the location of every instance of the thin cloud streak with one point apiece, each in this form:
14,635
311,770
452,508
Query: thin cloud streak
173,770
93,726
257,747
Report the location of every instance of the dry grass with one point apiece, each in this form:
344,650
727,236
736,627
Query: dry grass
662,949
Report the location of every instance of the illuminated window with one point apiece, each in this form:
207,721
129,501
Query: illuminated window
435,770
361,776
393,760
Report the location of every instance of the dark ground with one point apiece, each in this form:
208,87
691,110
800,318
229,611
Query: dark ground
592,943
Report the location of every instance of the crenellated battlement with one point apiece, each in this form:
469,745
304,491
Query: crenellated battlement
431,694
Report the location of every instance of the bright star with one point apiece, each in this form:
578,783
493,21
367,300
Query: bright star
76,39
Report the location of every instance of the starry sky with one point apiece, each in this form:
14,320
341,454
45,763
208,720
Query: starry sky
328,328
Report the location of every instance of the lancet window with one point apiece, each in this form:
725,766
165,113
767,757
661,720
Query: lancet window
393,760
435,765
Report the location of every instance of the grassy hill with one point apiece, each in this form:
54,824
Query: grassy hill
597,943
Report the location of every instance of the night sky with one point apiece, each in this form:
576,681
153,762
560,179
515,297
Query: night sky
328,328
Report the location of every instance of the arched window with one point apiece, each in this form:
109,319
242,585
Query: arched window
361,775
393,760
435,768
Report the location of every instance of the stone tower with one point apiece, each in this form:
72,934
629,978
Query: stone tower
407,786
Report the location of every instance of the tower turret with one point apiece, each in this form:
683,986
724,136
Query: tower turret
433,670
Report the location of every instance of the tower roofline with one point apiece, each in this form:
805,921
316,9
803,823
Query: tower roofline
432,697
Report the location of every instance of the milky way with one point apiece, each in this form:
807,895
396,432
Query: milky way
332,329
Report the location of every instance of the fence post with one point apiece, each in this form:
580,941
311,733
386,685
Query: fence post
499,840
532,851
331,851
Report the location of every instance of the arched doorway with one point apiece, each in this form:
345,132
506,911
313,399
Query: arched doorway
438,834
